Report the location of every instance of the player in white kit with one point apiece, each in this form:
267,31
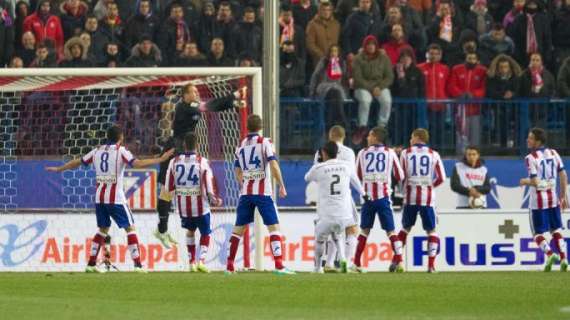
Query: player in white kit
544,167
423,172
190,177
337,134
334,206
109,162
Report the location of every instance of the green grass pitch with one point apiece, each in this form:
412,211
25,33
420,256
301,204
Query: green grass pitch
122,296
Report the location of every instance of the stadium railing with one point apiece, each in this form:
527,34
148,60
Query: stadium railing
504,124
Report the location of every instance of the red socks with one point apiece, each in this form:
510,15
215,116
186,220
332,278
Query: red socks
133,243
98,241
276,249
360,249
234,243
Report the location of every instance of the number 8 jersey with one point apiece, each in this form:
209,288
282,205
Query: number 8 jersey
252,157
423,171
109,162
544,164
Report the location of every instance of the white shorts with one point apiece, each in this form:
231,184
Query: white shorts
328,227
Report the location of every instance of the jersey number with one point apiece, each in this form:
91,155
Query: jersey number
336,180
191,176
253,159
104,166
380,162
423,164
545,164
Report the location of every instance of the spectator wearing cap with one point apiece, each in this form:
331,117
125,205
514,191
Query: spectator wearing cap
357,26
46,26
191,56
329,82
145,54
72,14
143,22
494,43
478,18
291,71
246,37
28,49
531,33
289,30
445,29
322,32
217,56
373,76
396,44
75,55
174,33
207,26
303,12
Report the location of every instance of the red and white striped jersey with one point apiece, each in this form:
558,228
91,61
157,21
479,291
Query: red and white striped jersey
252,157
190,177
109,162
375,166
423,171
544,164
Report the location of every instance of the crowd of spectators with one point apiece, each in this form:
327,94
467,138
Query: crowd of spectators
372,50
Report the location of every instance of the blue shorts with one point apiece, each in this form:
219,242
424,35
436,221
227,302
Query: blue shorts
411,214
201,223
120,213
543,220
246,209
382,207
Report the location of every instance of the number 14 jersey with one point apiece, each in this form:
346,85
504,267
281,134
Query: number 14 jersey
423,171
252,157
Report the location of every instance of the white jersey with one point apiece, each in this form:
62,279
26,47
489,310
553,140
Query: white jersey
252,157
190,177
344,153
423,171
109,162
470,177
375,166
544,164
334,178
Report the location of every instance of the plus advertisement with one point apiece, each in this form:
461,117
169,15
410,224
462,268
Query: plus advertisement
490,241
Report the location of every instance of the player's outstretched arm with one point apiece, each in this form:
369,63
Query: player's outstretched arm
276,173
228,101
75,163
149,162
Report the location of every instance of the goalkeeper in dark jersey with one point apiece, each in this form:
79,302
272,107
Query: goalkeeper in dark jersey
187,113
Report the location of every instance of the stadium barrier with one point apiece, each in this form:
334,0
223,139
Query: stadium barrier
492,240
504,124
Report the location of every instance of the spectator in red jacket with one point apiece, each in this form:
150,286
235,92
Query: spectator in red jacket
46,26
467,81
396,43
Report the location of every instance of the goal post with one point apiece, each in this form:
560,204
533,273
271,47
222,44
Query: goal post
61,113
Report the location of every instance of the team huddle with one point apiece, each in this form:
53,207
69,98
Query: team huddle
372,173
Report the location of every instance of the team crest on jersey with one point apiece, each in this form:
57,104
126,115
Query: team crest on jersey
140,188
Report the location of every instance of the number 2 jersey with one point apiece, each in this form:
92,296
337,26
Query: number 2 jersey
252,157
109,162
190,177
544,164
375,167
423,171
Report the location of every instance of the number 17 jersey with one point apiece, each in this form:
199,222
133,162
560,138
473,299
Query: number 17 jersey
423,171
545,165
252,157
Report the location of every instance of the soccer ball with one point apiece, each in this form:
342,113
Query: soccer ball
476,203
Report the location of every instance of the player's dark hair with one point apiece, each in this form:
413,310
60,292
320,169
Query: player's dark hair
422,134
190,141
254,123
539,134
330,149
380,133
473,147
114,133
248,10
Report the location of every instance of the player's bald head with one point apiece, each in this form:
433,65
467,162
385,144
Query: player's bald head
254,123
337,133
114,134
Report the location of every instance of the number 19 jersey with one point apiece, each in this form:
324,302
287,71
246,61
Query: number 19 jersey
109,162
252,157
423,171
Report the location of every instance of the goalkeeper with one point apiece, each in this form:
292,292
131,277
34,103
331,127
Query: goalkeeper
187,113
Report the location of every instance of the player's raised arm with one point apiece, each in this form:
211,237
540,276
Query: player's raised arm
136,163
226,102
75,163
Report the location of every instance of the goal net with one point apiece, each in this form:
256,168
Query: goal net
48,116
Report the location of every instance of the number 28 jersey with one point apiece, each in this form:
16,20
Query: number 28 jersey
109,162
544,164
252,157
375,167
423,171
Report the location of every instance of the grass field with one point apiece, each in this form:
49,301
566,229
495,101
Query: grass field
491,295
